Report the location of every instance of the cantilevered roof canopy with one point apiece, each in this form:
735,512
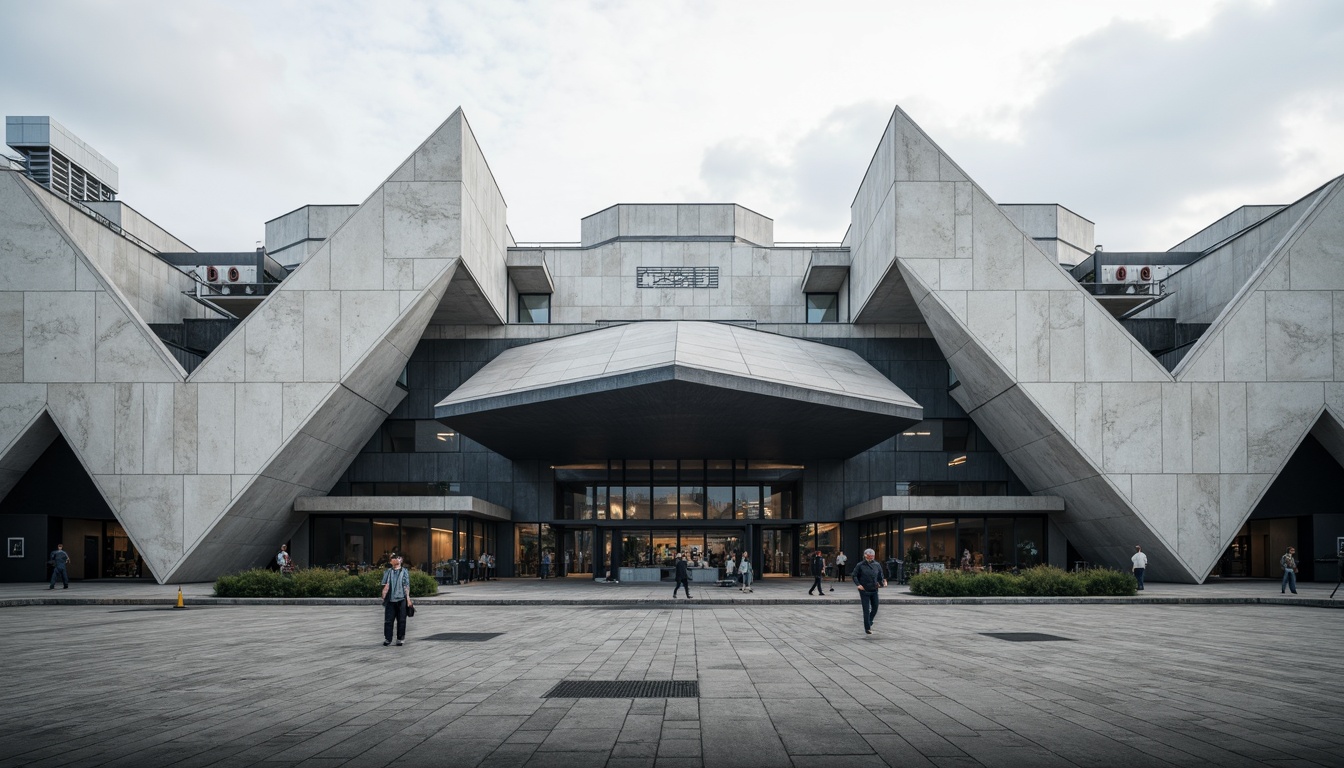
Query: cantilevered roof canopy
678,390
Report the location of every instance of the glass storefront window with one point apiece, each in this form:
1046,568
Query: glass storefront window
693,544
971,543
326,542
747,502
527,549
616,504
943,542
924,436
665,502
1030,534
638,503
692,501
828,540
415,542
719,501
777,547
999,544
721,545
914,540
665,548
356,540
636,548
441,541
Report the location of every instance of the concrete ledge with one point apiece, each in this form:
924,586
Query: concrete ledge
716,601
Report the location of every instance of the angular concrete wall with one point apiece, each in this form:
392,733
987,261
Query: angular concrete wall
1076,406
203,470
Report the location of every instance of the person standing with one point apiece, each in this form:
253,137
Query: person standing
1289,564
840,561
818,571
546,564
869,578
683,576
744,573
396,599
1139,564
283,561
60,559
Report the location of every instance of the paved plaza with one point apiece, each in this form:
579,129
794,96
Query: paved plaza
780,685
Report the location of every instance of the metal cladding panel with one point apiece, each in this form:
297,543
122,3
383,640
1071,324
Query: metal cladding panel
675,419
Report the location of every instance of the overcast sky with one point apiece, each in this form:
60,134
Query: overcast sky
1150,118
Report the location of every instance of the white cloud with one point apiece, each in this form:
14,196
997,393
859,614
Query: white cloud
224,114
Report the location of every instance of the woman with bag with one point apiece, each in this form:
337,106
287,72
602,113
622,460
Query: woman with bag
745,569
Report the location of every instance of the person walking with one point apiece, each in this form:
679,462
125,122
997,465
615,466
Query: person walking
683,576
840,561
60,559
396,599
744,572
869,578
818,571
1139,564
1289,564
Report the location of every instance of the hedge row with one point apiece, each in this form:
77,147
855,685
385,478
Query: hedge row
1041,581
315,582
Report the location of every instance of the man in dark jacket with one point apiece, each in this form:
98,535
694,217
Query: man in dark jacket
683,576
818,570
869,577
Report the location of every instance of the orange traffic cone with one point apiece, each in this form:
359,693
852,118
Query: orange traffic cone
180,605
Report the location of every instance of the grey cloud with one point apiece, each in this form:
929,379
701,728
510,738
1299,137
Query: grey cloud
1136,123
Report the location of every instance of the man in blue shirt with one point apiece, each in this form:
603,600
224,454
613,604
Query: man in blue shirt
60,559
396,599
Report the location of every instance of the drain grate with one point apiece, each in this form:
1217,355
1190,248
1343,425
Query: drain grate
464,637
625,689
1026,637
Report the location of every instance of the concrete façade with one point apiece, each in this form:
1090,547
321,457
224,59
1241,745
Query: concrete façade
204,470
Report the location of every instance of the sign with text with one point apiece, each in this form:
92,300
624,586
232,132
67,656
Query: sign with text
677,277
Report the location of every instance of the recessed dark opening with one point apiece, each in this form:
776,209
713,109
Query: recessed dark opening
625,689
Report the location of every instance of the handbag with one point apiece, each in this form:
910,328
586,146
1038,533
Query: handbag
410,611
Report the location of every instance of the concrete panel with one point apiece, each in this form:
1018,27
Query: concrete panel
1232,437
440,158
925,223
1156,499
916,157
1067,339
355,251
1199,529
59,335
1177,434
1245,358
11,336
1237,496
1090,425
1298,335
321,336
258,417
214,432
998,247
298,400
1278,416
151,511
185,433
272,336
204,500
158,429
129,425
33,254
422,221
84,412
1033,336
365,317
1106,357
1132,416
1205,442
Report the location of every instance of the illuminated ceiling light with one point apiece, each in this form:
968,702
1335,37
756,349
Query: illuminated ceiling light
445,435
957,461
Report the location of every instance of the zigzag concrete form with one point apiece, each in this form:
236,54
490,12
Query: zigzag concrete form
203,470
1076,406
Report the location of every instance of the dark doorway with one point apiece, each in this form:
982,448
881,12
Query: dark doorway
90,557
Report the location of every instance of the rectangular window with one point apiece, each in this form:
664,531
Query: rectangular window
823,308
534,308
433,437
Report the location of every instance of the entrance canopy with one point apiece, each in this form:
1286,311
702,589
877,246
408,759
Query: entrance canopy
678,390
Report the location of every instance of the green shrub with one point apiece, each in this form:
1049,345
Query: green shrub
315,582
1105,582
1049,581
1043,581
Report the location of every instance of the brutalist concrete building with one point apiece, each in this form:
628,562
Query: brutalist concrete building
954,383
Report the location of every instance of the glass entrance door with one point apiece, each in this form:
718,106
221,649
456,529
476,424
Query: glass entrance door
578,557
777,549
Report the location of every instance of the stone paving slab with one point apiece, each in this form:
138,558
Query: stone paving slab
781,685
